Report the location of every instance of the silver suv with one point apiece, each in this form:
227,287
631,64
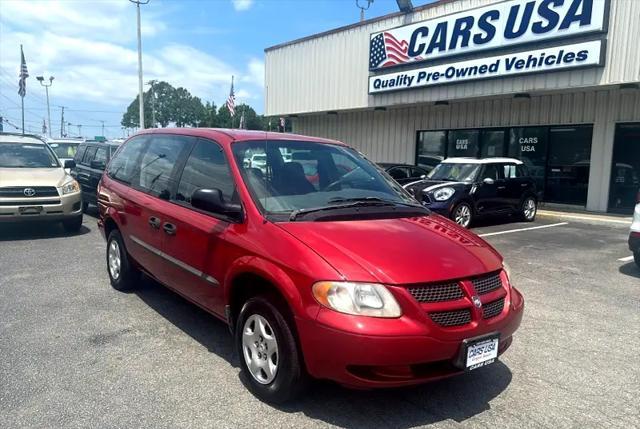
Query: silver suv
34,184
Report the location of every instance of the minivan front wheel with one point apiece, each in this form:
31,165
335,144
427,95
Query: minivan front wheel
269,358
122,274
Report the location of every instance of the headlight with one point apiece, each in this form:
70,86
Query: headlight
361,299
70,187
443,194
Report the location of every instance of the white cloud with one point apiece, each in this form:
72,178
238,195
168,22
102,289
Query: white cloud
94,60
241,5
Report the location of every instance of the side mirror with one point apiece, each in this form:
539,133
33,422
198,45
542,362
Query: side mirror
211,200
424,176
69,163
488,181
98,165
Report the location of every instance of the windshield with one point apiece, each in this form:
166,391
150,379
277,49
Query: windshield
455,172
314,175
25,155
65,150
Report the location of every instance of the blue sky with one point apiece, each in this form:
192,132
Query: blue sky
90,49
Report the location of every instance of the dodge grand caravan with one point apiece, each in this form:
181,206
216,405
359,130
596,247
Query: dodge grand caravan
343,277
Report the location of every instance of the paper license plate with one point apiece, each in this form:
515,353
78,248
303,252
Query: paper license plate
482,352
31,210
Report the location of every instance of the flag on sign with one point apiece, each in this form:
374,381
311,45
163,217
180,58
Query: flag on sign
24,74
231,101
386,50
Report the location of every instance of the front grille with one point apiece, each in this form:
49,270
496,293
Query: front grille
487,284
493,308
18,191
436,292
451,318
27,203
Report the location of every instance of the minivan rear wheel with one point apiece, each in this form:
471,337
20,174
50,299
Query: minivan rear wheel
270,361
123,274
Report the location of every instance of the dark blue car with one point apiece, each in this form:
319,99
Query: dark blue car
463,189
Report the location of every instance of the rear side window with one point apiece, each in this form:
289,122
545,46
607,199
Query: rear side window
125,165
206,168
158,162
80,153
88,156
101,156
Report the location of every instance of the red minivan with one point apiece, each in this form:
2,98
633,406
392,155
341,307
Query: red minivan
339,276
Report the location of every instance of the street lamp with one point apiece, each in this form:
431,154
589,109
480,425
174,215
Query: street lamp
46,88
140,93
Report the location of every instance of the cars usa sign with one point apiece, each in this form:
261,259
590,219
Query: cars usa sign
500,25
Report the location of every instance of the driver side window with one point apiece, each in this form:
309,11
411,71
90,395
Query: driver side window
491,172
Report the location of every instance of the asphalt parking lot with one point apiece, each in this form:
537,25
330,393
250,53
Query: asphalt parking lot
75,353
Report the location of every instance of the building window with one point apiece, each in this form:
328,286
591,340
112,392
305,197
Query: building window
463,143
625,168
431,148
492,143
529,144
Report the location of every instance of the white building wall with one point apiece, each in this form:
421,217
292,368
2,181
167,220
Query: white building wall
391,135
329,72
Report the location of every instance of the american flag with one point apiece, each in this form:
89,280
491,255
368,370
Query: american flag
231,101
24,74
385,50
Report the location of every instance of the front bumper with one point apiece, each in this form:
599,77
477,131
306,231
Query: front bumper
373,361
45,209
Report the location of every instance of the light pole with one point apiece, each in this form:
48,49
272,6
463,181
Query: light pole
140,93
46,88
363,8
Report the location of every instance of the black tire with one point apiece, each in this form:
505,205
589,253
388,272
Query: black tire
290,377
458,214
85,206
636,258
528,212
72,225
128,276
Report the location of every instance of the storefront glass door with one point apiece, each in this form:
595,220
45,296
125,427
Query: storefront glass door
568,165
625,168
529,144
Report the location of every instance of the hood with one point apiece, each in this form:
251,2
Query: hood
33,177
398,251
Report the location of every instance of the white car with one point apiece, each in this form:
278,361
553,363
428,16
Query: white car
64,148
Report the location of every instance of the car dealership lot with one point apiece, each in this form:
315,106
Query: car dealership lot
75,353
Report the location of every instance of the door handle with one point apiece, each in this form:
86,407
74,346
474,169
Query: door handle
154,222
169,228
524,184
502,187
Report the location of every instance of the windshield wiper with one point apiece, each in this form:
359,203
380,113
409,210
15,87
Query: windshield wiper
371,199
349,203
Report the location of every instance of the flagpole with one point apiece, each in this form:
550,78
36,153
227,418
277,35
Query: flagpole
22,102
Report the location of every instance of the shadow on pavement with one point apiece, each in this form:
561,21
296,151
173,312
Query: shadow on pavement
630,269
458,398
36,231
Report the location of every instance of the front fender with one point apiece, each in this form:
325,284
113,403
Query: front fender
273,274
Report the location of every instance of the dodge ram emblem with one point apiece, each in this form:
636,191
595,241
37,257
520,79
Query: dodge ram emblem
476,301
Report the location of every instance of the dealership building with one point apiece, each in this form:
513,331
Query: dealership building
554,83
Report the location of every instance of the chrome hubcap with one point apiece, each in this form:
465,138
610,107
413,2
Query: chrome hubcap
529,208
114,259
260,349
463,215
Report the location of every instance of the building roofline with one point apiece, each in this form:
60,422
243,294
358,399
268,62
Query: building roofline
357,24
